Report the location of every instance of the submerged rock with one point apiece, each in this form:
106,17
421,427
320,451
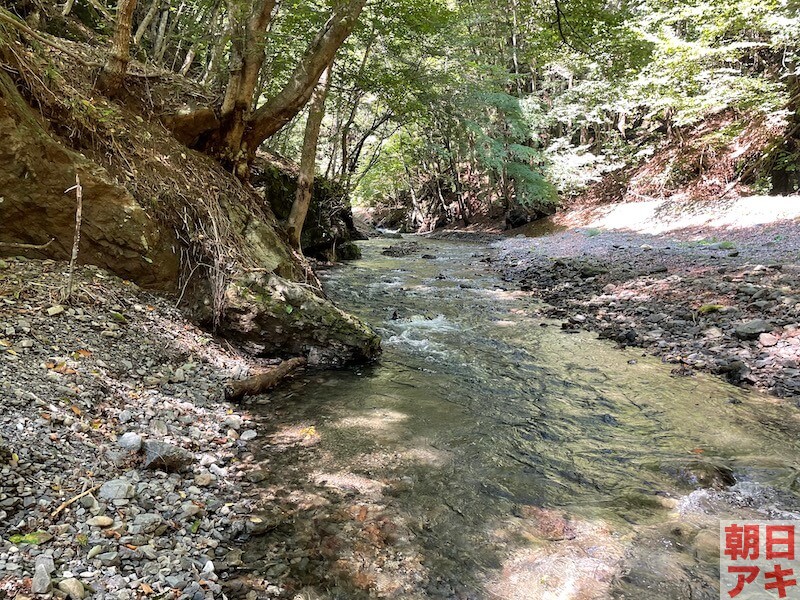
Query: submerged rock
701,474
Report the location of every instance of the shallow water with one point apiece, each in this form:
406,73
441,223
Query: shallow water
492,455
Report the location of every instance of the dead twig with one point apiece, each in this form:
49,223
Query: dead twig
67,503
77,239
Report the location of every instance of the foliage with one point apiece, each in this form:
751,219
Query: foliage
458,110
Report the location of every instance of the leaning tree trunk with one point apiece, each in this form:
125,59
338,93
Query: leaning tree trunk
113,75
278,111
305,182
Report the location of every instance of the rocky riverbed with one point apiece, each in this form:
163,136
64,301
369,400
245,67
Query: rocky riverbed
123,473
725,302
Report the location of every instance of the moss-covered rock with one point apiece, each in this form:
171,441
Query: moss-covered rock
329,229
272,316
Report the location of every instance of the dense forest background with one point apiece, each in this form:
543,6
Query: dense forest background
440,112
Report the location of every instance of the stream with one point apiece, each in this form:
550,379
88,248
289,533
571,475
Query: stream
492,455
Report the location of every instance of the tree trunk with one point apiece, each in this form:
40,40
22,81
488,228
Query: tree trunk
159,57
113,75
148,18
161,32
278,111
305,182
247,58
187,62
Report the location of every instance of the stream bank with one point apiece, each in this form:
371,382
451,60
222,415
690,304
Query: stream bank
718,299
115,405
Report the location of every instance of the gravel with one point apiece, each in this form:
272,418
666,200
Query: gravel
111,409
730,308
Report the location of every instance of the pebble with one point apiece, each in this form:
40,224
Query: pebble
130,441
72,588
204,479
768,340
248,434
100,521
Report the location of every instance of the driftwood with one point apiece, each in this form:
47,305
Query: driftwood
65,504
263,382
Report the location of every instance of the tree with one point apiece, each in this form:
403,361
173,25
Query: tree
113,75
308,160
243,129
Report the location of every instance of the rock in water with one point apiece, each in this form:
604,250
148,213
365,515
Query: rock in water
72,588
165,457
277,316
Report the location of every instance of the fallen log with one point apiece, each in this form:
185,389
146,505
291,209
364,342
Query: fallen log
263,382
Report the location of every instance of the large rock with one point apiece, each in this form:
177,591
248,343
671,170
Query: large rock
271,315
35,170
165,457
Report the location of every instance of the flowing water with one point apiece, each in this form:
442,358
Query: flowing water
492,455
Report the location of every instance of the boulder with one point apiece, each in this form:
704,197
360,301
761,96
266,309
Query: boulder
270,315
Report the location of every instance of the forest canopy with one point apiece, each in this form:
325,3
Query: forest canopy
457,111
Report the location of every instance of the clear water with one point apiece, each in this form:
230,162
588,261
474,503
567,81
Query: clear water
492,455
